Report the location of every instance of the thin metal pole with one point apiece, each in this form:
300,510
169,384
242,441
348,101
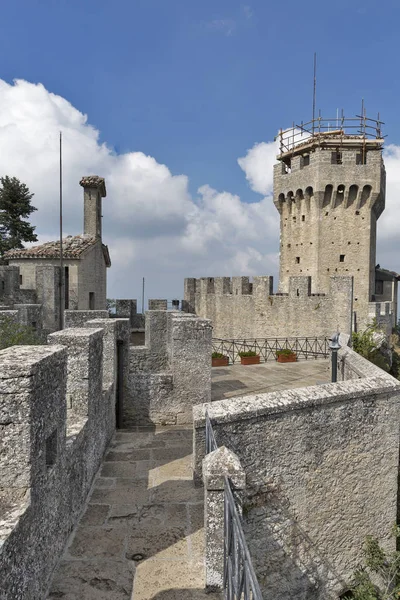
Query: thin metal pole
334,365
314,91
61,243
143,297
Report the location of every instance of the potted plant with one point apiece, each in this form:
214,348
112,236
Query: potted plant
286,355
249,358
219,360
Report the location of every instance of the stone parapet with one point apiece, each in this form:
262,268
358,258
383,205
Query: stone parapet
317,459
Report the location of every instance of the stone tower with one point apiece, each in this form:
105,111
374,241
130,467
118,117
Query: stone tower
329,189
94,189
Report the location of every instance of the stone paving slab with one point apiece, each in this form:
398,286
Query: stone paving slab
238,380
141,536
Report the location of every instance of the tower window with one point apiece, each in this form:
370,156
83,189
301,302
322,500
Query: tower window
297,259
304,161
361,159
51,449
341,258
303,217
20,280
286,166
336,158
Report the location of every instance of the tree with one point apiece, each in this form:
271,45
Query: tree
15,205
15,334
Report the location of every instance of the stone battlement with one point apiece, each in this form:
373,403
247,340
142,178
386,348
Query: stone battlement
241,309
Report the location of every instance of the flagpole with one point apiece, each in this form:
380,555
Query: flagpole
61,244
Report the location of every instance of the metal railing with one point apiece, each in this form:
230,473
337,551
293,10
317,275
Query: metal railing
304,348
240,580
319,129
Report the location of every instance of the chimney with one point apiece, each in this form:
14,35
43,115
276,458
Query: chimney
94,189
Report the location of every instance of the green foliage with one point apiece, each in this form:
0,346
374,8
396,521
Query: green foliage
285,352
247,353
13,334
15,205
111,305
217,355
365,345
379,566
395,368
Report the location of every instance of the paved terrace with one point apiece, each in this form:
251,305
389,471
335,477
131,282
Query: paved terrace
141,535
271,376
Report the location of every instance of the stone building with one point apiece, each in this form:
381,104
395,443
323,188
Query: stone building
329,189
85,256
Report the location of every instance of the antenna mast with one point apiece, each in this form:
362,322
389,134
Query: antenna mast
62,302
314,91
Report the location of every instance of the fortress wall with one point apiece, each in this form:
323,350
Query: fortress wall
172,372
321,466
56,418
238,314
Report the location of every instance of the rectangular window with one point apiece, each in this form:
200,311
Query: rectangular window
304,161
51,449
379,287
303,217
286,166
20,280
91,300
297,259
361,159
341,258
336,158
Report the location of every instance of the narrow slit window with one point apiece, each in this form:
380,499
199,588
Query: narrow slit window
51,449
297,259
341,258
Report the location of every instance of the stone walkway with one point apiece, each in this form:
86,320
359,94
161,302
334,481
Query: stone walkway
238,380
141,536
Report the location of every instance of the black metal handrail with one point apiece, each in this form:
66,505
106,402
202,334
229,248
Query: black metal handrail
240,580
304,347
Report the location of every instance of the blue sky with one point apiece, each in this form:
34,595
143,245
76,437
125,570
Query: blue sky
196,84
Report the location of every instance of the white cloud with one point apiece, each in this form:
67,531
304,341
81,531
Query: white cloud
153,226
257,165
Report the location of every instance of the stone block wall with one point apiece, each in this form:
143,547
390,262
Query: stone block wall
321,467
158,304
57,415
172,372
239,309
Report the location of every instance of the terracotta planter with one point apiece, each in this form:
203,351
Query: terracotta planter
220,362
285,358
250,360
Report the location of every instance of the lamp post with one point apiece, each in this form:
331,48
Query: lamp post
334,346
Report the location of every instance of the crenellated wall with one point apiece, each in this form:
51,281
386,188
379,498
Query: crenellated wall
57,415
240,309
171,372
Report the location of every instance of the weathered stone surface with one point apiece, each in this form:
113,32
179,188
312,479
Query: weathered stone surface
172,372
316,459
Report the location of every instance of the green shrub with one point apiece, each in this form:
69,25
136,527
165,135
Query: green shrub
15,334
379,578
217,355
247,353
284,352
395,368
